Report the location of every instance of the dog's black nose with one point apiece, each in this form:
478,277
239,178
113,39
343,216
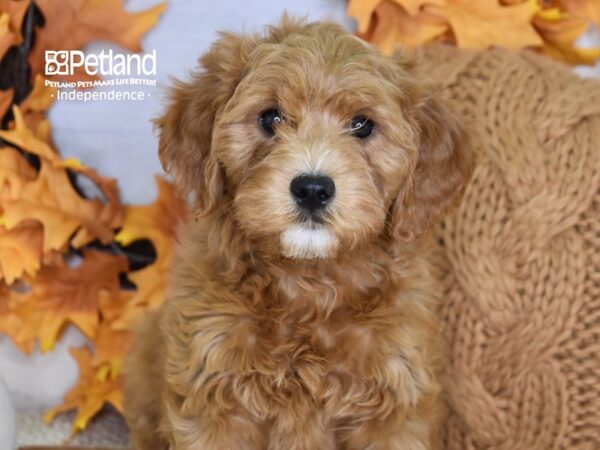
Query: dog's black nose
312,192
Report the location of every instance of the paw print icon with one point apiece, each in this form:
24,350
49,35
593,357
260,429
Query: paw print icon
57,62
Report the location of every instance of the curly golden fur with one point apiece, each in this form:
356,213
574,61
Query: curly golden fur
322,337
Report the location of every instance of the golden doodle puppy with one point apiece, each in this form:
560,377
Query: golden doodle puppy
300,313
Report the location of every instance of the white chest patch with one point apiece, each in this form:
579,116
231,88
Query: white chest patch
302,242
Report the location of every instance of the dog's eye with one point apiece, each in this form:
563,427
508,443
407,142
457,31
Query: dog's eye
361,127
269,119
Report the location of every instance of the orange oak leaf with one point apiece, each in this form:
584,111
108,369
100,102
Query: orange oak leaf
15,172
20,251
485,23
589,9
362,10
22,136
6,98
156,222
7,37
110,344
37,122
15,9
62,295
560,32
18,319
395,26
12,13
41,96
71,24
112,214
66,217
90,394
414,6
6,313
110,347
151,283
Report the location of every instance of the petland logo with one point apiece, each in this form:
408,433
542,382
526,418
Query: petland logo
66,62
124,71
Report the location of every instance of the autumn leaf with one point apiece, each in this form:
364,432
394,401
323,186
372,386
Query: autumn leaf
15,10
100,381
414,6
66,217
5,308
362,10
61,295
112,212
395,26
18,319
11,19
486,23
6,98
41,96
71,24
20,251
151,285
111,344
156,222
551,27
15,172
23,137
589,9
90,394
560,32
7,37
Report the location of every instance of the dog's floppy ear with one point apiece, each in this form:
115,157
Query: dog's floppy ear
186,127
443,168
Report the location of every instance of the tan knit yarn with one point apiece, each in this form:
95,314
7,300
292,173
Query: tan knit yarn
521,257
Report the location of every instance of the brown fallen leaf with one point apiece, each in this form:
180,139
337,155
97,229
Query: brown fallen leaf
18,318
71,24
396,27
22,136
20,251
589,9
362,11
413,7
560,31
65,216
90,394
61,295
486,23
7,37
151,285
41,97
15,172
111,344
113,212
156,222
6,98
15,9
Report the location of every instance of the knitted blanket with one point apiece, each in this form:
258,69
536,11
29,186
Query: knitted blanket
520,259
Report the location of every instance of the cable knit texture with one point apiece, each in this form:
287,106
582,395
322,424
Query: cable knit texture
520,258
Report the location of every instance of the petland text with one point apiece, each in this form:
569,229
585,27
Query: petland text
106,63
